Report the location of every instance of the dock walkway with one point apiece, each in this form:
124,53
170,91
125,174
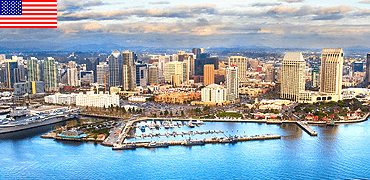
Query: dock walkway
306,128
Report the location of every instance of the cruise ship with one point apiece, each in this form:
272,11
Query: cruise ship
22,119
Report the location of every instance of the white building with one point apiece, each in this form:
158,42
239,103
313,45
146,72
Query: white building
331,71
137,98
241,63
58,98
214,93
293,76
97,100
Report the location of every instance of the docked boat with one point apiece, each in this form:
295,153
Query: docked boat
123,146
21,119
190,124
190,142
5,110
154,144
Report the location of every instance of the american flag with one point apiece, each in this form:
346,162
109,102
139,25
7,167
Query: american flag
28,13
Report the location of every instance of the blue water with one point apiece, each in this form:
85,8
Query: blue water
340,152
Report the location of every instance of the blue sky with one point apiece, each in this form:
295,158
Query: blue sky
204,23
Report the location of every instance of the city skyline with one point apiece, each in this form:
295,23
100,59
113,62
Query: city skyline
272,23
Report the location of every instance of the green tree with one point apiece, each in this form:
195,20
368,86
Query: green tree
166,112
161,113
182,113
171,113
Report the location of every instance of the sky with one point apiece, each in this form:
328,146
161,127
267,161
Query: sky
200,23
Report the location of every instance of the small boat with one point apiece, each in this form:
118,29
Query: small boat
142,128
154,144
124,146
190,142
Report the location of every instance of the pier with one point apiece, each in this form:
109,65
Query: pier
214,140
306,128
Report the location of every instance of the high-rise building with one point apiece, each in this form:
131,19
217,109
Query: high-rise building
33,69
209,75
241,63
128,70
101,70
232,83
141,75
331,70
315,77
72,74
270,73
292,76
254,64
87,76
153,74
115,69
11,73
175,73
367,78
358,66
214,93
50,74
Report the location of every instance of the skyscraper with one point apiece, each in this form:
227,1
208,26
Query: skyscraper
232,83
72,74
153,75
115,69
175,72
33,70
367,78
128,70
141,75
101,70
331,70
315,77
270,73
292,76
11,73
241,63
209,75
50,74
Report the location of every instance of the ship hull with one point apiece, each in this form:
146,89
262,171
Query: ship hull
7,129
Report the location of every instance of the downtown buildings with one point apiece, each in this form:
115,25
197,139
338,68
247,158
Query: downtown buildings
293,77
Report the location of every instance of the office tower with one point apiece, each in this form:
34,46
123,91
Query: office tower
190,62
33,70
315,77
128,70
358,66
209,75
87,76
72,74
241,63
11,73
115,69
367,78
101,70
292,76
175,73
270,73
331,70
232,83
253,64
141,75
196,52
91,65
50,74
153,75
